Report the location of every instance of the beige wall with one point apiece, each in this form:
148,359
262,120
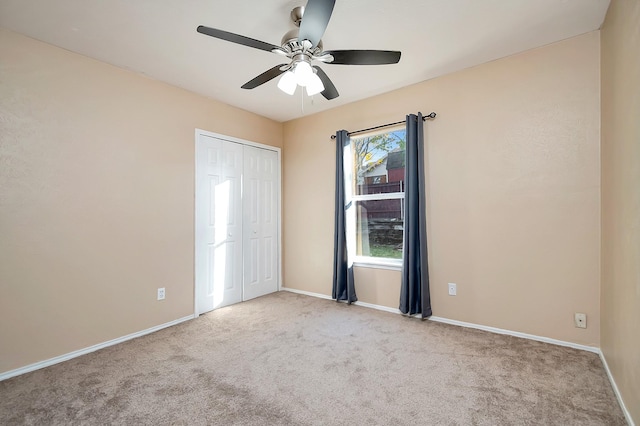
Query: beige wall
513,180
96,198
620,292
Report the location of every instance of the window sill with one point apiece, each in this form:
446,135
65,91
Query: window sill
378,264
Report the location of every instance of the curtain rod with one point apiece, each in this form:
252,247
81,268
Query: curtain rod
424,118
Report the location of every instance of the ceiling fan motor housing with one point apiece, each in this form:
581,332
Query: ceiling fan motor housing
291,44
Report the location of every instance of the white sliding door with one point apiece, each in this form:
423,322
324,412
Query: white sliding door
237,224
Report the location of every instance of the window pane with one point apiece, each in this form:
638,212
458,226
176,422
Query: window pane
379,227
378,163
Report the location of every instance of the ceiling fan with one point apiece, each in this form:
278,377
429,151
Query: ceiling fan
302,46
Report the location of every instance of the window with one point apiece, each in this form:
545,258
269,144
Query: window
374,179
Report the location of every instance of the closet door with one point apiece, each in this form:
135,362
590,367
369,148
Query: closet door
260,223
218,223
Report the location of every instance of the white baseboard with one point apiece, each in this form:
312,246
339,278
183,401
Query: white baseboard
626,413
593,349
463,324
51,361
306,293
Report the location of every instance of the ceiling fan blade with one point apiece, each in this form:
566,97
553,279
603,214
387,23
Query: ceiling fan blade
330,91
363,57
315,20
237,38
264,77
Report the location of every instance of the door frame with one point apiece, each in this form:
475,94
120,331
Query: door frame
198,133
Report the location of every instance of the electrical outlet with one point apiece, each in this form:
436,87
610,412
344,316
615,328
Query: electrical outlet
161,293
580,320
453,289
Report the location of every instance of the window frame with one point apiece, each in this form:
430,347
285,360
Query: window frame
351,213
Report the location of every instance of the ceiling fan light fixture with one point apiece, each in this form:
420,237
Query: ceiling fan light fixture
304,73
288,83
314,86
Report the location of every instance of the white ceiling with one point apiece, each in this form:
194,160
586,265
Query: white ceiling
158,38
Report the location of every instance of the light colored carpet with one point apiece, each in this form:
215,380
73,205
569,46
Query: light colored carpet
287,359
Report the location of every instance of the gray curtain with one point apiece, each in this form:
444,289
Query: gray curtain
414,290
343,283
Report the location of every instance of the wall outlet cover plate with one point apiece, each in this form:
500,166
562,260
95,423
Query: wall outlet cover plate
452,289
